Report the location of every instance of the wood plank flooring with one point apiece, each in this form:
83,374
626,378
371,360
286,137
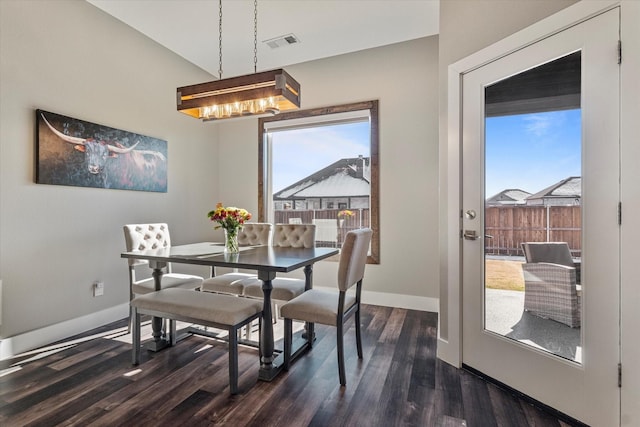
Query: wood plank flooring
89,380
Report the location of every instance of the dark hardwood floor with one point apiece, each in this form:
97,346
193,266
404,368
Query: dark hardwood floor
89,380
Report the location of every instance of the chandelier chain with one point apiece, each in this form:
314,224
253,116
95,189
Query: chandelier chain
220,39
255,36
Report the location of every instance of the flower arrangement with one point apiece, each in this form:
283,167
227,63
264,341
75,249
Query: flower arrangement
345,213
230,219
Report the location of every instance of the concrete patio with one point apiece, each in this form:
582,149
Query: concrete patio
505,315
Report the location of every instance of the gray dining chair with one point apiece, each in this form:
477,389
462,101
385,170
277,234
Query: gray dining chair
251,234
330,307
139,237
284,288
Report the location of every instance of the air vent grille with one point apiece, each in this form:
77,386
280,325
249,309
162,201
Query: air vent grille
281,41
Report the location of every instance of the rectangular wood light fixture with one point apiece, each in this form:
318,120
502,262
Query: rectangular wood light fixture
267,92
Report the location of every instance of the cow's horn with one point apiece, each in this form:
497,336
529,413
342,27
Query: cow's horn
119,150
68,138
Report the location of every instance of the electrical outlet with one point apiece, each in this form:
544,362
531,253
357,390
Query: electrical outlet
98,289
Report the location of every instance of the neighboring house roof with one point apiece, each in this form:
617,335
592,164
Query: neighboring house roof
348,177
567,188
510,196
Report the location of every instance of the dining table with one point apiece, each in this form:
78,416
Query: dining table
267,261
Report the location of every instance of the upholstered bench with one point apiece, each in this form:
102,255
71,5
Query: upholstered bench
202,308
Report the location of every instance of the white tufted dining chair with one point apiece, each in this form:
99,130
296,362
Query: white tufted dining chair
251,234
294,235
139,237
284,288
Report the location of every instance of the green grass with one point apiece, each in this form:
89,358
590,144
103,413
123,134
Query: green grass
502,274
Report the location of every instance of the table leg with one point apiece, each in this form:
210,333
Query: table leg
266,334
159,342
267,369
308,277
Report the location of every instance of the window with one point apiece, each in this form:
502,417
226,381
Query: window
311,161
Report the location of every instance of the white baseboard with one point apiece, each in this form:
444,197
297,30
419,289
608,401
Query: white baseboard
17,344
448,353
410,302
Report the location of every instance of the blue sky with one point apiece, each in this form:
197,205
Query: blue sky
532,151
301,152
527,151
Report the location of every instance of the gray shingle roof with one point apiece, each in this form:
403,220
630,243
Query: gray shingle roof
343,178
512,195
569,187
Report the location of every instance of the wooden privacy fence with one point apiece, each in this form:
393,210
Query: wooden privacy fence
330,230
509,226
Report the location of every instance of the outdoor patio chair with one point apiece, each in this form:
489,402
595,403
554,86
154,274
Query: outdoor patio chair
327,232
554,252
550,287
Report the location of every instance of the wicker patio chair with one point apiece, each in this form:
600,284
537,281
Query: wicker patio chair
550,289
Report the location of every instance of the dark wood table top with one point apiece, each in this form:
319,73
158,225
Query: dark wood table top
266,258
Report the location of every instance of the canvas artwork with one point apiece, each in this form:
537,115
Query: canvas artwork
78,153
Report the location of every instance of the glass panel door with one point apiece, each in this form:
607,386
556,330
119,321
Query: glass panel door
541,165
533,177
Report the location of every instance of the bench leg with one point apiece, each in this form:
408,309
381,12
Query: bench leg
311,334
135,355
288,338
233,360
129,325
172,332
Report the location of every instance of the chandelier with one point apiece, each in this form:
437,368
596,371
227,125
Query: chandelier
267,92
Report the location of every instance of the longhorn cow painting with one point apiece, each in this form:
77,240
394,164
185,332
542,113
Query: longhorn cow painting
78,153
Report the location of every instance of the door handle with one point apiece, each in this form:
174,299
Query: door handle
470,235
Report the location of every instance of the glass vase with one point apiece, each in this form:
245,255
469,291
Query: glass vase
231,241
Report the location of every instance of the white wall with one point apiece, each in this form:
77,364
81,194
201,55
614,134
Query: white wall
403,77
71,58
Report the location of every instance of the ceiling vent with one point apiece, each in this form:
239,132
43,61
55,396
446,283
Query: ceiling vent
281,41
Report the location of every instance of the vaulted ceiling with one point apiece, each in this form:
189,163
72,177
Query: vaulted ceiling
323,28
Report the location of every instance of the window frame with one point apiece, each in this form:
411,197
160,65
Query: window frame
374,198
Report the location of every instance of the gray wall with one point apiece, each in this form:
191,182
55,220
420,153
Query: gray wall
71,58
403,77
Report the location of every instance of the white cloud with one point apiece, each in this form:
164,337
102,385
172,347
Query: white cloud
538,124
541,124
